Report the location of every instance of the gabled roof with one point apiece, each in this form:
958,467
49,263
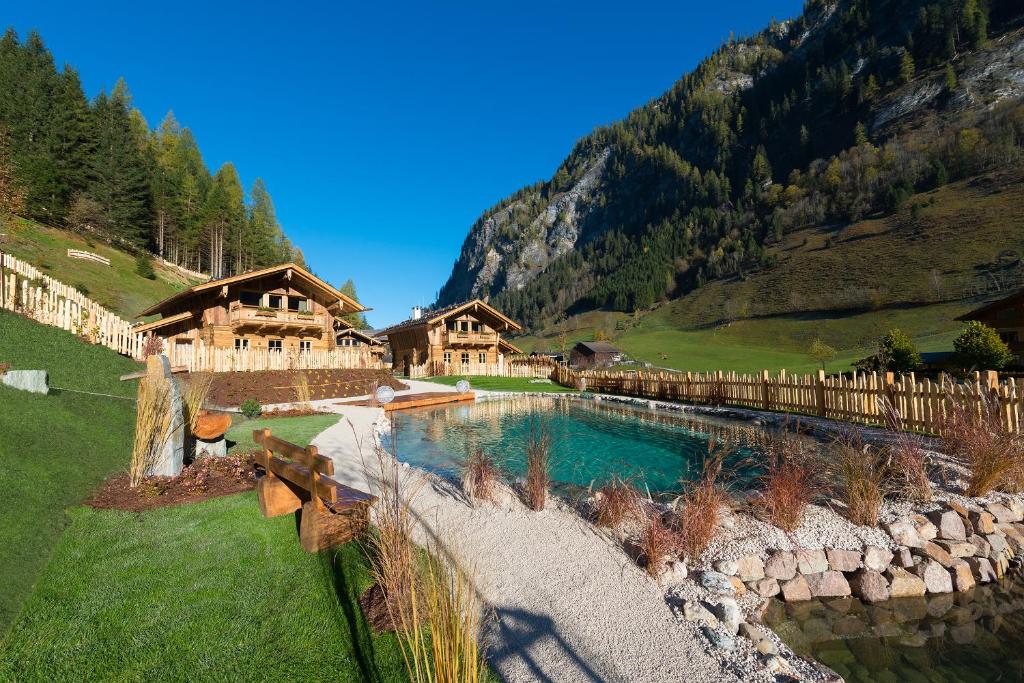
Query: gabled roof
162,322
350,304
353,332
506,346
598,347
432,317
993,306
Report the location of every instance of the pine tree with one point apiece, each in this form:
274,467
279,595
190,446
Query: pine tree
12,196
224,219
907,68
70,141
357,320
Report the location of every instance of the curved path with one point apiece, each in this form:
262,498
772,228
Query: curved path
568,605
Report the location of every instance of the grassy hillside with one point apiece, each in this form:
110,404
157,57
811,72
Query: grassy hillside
117,287
54,449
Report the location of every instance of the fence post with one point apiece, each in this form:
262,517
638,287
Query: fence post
766,400
819,393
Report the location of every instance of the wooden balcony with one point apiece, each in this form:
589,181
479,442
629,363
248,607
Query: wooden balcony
469,338
258,319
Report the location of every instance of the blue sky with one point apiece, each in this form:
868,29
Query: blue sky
383,130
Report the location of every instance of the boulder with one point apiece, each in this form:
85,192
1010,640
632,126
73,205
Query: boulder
721,640
766,587
716,582
1000,512
877,559
869,586
750,568
843,560
796,589
982,569
925,528
695,611
34,381
727,567
759,638
903,558
811,561
963,577
828,584
675,573
905,533
957,548
997,544
781,565
982,521
1016,509
981,547
950,525
1014,537
936,578
903,584
934,551
729,615
738,587
958,509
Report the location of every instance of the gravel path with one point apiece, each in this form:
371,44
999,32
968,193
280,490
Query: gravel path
568,605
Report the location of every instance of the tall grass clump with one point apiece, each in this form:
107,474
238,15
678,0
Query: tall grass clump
300,383
907,458
859,473
194,395
993,454
657,541
616,502
701,503
153,420
479,475
788,484
538,466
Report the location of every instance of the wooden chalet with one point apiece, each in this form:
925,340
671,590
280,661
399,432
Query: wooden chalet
1006,316
350,337
281,308
594,354
466,337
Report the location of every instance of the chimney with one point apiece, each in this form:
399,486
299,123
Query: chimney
417,312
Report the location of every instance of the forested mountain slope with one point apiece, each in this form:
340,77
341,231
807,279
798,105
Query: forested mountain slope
812,127
97,168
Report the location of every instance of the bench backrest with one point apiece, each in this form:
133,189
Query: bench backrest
303,467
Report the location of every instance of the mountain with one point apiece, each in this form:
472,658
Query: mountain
833,134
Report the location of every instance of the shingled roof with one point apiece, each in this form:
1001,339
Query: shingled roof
431,317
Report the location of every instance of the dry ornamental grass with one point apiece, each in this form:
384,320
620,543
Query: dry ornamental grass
538,466
861,474
701,504
615,503
153,419
479,476
194,395
993,454
789,483
657,541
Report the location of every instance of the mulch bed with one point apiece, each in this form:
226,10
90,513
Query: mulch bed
204,479
278,386
375,609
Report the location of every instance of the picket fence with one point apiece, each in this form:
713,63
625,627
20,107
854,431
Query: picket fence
865,398
36,295
88,256
199,357
531,369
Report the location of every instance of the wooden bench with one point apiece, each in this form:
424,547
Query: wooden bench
298,478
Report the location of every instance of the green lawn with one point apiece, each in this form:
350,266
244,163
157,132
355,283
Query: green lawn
55,449
298,430
501,383
210,591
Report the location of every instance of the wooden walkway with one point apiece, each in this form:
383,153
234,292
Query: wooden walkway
429,398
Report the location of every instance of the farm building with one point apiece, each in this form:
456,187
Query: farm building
591,354
1006,316
465,336
282,308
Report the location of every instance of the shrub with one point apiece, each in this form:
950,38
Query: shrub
788,485
859,473
616,502
538,466
479,475
701,504
251,408
898,353
144,266
994,455
657,540
980,347
153,346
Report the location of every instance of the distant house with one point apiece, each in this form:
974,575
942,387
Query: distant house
281,308
462,337
591,354
1006,316
353,338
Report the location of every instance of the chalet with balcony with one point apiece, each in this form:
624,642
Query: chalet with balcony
281,308
1006,316
462,338
351,338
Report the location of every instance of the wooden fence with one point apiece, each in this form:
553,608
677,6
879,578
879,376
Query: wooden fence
88,256
26,290
201,358
507,368
865,398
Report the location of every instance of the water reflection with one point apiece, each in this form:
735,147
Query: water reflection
974,636
593,441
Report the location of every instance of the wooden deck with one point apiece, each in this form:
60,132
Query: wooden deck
430,398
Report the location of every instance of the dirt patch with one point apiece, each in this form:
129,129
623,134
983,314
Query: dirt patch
375,609
204,479
278,386
292,412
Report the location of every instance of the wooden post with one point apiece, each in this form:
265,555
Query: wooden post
819,393
766,400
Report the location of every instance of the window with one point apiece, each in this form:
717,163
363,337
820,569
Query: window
305,346
475,327
274,300
447,356
483,357
241,344
452,325
464,325
274,345
298,303
250,298
465,357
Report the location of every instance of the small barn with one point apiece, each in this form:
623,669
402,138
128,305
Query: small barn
595,353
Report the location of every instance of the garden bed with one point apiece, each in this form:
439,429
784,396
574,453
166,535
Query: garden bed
204,479
268,387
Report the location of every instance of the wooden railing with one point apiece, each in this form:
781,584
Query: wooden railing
88,256
26,290
240,314
866,398
199,357
454,338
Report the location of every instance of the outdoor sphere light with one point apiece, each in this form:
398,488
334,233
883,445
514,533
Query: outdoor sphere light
385,394
462,386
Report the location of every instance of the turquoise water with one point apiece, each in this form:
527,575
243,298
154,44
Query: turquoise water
592,442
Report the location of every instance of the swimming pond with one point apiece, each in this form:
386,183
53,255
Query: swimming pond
592,442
